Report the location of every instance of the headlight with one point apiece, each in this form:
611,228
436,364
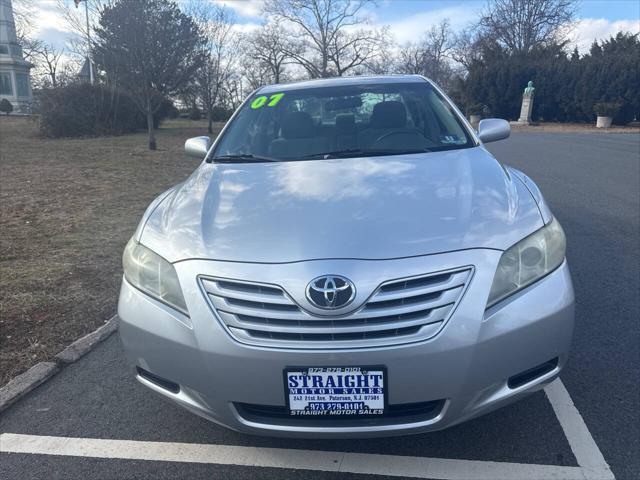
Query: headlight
528,260
152,274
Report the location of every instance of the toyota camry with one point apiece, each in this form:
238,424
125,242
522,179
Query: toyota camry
347,260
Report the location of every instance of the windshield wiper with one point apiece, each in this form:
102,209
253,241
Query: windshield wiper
243,157
358,152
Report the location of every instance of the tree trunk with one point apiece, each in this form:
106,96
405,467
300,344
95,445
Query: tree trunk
152,135
210,118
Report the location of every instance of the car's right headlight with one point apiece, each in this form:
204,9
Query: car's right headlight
527,261
149,272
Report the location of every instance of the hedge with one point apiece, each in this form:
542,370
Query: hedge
567,87
83,109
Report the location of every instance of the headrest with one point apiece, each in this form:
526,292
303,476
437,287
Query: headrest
297,125
345,123
390,114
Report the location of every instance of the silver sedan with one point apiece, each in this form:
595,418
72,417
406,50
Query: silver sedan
348,260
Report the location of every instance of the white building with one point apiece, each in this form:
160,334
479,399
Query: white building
15,83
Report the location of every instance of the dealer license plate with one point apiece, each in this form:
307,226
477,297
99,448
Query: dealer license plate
332,391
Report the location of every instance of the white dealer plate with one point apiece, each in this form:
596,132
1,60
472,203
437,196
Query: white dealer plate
331,391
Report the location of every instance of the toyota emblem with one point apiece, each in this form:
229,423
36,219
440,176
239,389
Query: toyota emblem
330,292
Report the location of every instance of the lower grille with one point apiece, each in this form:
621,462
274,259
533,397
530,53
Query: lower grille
399,311
401,413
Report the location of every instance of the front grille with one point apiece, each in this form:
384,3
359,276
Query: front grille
399,311
394,414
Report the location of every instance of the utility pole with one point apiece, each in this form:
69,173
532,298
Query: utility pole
89,57
86,13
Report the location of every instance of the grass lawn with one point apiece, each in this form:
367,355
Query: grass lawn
67,207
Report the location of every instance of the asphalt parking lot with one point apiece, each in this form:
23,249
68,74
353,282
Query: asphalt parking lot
93,420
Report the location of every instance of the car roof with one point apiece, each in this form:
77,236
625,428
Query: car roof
341,81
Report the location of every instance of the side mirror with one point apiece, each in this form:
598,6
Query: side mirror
493,129
197,147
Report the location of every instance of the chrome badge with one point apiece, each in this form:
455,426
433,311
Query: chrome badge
331,292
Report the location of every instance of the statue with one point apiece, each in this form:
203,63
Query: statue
527,104
530,88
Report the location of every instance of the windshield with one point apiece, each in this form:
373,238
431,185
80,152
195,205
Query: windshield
344,121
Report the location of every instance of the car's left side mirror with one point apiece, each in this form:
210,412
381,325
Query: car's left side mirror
197,147
493,129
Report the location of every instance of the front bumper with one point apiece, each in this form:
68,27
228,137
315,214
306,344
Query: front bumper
467,366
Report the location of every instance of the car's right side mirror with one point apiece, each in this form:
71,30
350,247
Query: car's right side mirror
493,129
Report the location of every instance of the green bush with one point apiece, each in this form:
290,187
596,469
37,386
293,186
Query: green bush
195,114
475,109
220,114
171,110
82,109
607,109
166,110
5,106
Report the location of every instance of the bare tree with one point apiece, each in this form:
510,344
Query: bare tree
431,55
351,49
219,52
49,58
235,91
521,25
383,63
411,58
74,17
467,47
329,41
270,48
30,47
23,14
255,73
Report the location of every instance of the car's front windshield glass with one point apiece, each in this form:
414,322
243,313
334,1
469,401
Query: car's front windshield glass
341,122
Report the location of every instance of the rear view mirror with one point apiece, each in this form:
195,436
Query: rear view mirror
493,129
197,147
343,103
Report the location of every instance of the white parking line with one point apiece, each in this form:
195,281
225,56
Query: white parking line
591,463
582,444
394,465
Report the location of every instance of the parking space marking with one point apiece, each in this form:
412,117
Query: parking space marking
591,462
362,463
582,444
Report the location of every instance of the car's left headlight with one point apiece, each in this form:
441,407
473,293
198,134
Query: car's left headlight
149,272
527,261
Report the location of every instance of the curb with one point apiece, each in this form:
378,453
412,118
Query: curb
19,386
83,345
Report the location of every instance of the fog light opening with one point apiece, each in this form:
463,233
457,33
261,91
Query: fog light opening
527,376
159,381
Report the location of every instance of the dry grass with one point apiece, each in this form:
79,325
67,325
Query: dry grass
68,206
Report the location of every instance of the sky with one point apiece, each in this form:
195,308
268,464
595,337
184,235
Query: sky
407,19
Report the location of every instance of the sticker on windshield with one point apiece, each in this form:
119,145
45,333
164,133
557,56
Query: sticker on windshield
452,139
270,101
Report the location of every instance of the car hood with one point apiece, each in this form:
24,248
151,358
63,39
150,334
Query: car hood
365,208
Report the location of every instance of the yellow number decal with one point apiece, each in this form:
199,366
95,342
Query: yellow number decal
274,99
258,102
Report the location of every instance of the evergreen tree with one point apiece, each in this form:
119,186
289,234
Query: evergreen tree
150,48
